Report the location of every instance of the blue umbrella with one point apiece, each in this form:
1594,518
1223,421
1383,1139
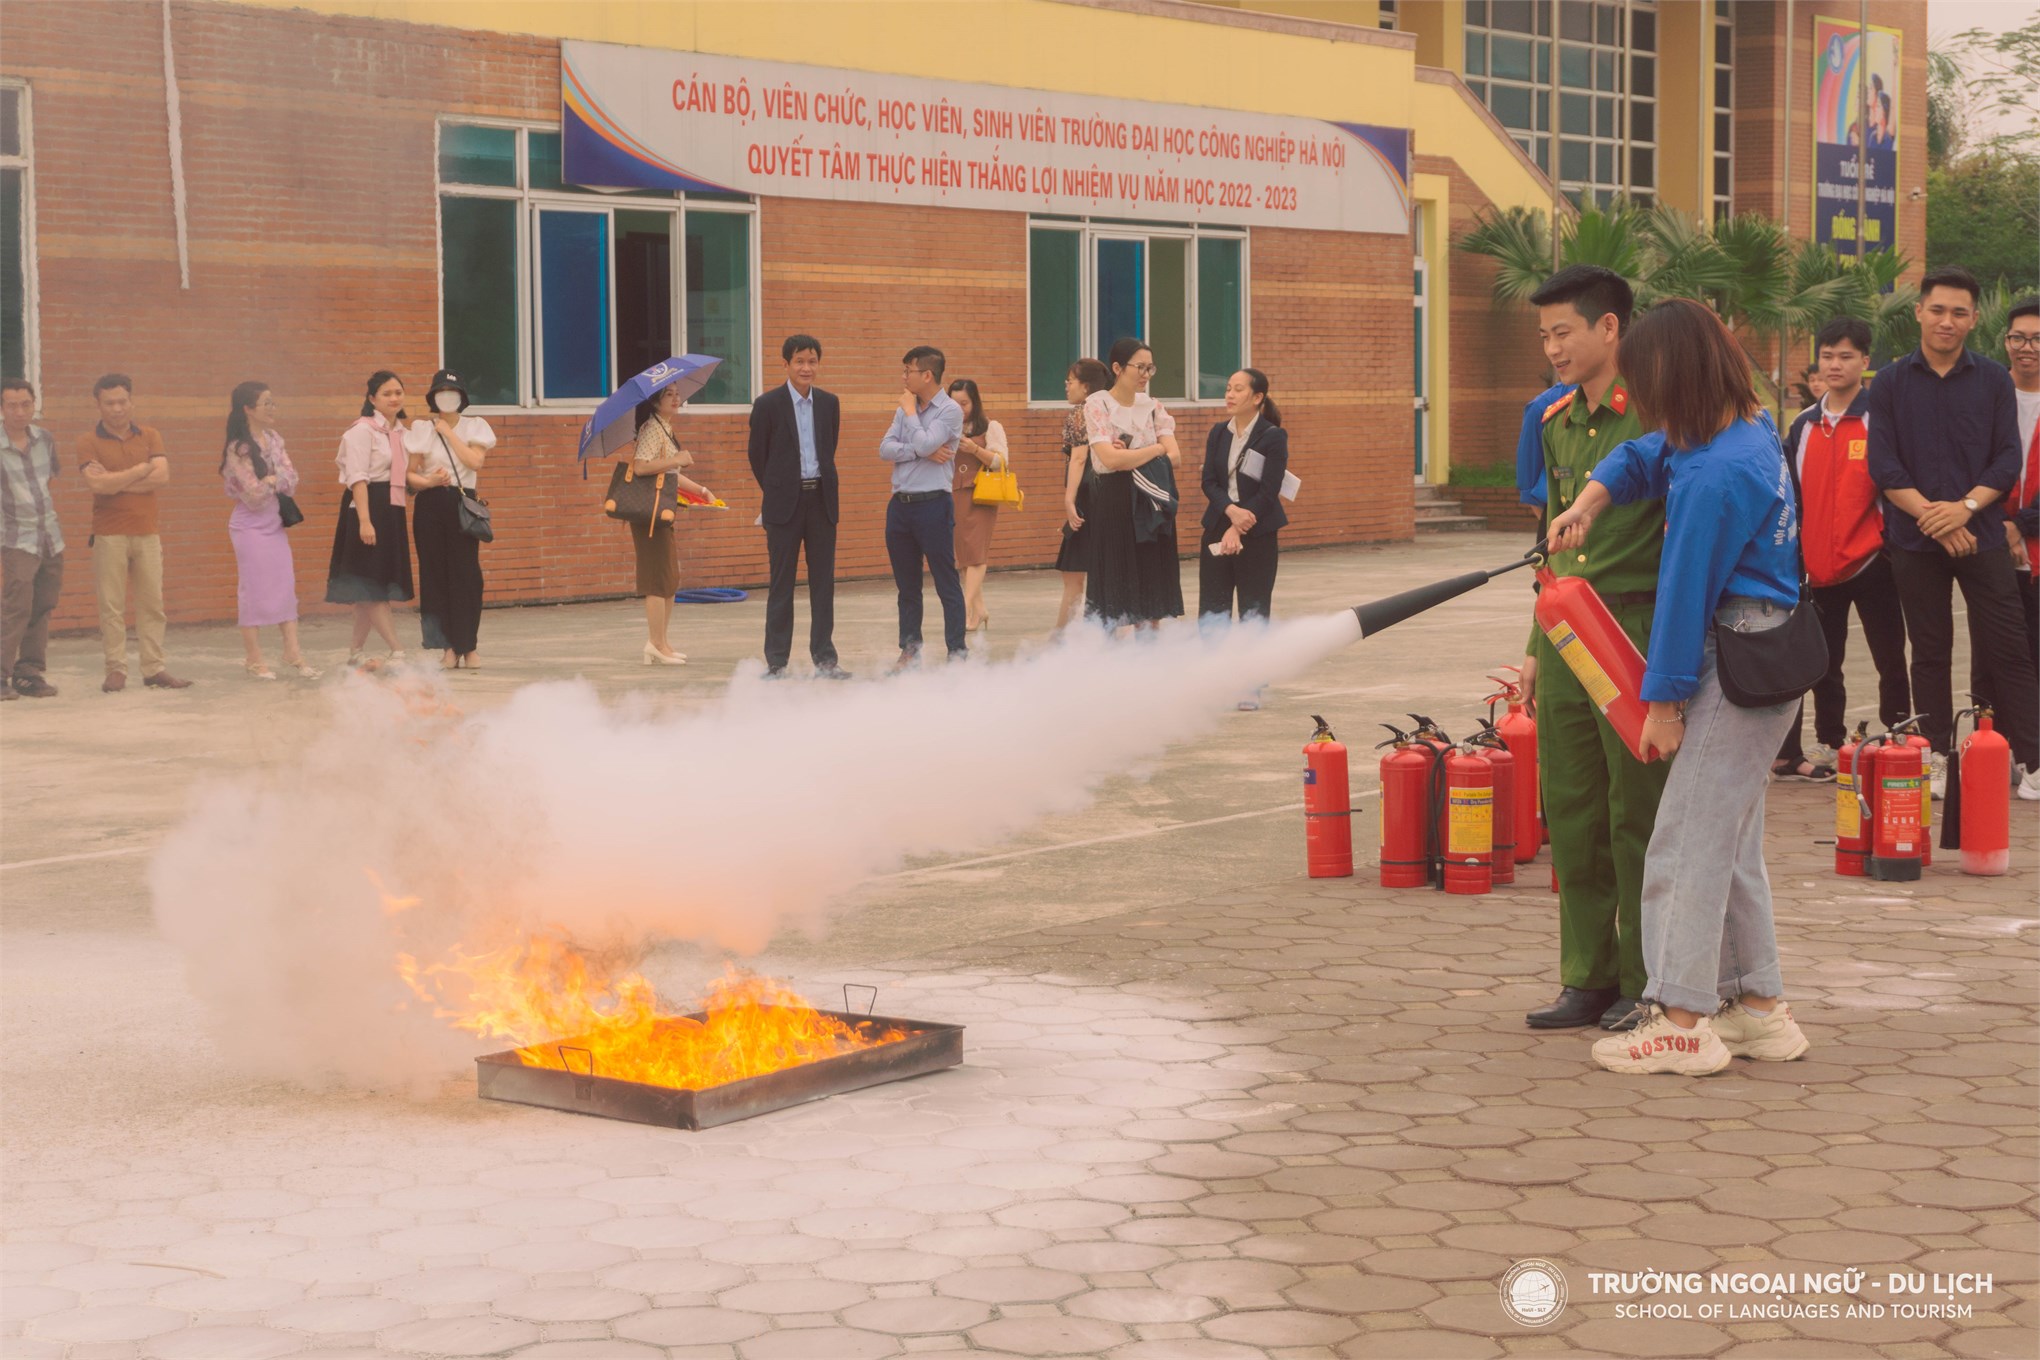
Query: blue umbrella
614,424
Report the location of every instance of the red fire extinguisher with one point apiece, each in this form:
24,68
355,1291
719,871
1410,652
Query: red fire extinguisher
1466,833
1891,787
1327,805
1519,731
1488,744
1976,818
1405,809
1852,842
1926,750
1594,647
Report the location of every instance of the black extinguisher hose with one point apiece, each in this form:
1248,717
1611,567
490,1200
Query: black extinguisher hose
1951,798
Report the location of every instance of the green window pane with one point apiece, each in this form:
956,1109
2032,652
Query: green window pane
1604,70
544,155
1476,54
1169,316
1576,20
10,121
1514,15
719,302
1575,160
13,278
1643,77
1575,67
1511,58
1511,104
1643,122
1053,302
477,155
1575,115
478,292
1220,313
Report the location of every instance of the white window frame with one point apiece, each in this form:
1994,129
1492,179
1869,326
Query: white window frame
1091,231
31,291
530,357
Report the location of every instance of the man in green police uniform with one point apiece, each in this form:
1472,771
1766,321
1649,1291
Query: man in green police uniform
1600,802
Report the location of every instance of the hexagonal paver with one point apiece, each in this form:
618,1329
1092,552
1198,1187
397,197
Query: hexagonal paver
1010,1284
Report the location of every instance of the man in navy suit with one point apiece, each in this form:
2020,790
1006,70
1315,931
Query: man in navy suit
793,457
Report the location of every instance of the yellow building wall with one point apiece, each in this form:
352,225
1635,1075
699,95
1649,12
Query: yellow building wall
1023,44
1439,27
1685,105
1359,13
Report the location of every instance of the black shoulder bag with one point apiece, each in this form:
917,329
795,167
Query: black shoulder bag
1777,665
474,511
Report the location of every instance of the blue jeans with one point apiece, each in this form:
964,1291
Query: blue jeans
925,529
1707,931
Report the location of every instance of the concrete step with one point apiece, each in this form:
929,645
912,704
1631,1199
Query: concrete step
1449,523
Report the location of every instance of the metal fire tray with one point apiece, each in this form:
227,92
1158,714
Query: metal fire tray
928,1047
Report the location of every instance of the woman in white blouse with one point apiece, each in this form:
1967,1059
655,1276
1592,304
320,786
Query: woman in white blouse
447,453
1135,577
371,562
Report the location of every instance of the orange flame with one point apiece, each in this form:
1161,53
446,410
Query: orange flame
564,1011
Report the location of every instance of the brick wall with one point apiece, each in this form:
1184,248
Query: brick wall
313,262
1495,360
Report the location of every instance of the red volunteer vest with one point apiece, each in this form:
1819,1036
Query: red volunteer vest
1841,525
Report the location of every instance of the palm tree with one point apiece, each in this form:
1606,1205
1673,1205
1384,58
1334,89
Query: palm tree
1761,281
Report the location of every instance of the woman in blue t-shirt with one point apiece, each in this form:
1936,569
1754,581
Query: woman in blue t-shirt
1731,556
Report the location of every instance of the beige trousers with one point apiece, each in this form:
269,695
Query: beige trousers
116,557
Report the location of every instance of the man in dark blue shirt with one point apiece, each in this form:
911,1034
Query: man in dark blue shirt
1944,451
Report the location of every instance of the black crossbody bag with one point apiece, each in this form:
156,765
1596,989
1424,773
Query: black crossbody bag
1776,665
474,511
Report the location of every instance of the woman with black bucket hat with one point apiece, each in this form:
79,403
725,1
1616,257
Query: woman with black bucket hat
447,451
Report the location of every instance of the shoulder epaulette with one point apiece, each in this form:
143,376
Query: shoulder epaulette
1558,405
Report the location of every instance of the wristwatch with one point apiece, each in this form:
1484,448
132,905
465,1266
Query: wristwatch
1969,504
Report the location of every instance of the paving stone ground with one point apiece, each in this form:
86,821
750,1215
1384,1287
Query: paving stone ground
1210,1108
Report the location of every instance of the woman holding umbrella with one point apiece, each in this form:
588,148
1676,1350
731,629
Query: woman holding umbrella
658,563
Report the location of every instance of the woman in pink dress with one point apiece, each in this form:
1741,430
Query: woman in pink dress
256,471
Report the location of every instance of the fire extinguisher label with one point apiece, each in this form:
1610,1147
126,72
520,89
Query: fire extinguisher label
1593,679
1309,776
1470,824
1848,813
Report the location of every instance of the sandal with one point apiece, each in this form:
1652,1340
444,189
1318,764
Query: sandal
258,670
1805,772
305,670
471,662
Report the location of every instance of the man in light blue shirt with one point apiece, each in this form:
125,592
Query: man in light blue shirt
920,520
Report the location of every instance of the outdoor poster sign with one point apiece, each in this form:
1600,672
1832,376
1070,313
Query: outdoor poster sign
649,118
1839,79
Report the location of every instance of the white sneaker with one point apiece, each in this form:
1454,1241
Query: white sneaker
1659,1044
2029,784
1937,774
1820,753
1775,1037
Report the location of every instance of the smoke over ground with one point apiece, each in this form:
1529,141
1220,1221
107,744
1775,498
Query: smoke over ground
407,828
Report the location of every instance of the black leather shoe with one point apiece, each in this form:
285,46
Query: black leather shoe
1626,1014
1576,1008
775,672
831,672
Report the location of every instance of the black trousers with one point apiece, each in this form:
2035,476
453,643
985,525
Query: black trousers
1875,599
1248,574
924,529
1997,628
812,529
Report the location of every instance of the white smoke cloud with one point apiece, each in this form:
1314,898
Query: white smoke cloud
407,827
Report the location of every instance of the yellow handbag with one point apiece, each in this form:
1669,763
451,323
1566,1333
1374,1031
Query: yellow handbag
997,488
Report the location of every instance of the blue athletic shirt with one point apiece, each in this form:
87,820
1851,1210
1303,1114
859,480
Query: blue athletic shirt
1530,445
1730,529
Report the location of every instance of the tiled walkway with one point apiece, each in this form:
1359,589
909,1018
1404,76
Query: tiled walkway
1252,1116
1298,1121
